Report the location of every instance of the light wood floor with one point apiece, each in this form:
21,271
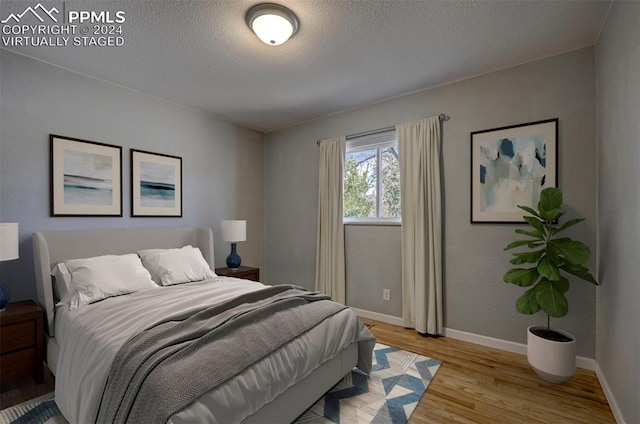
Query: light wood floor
475,384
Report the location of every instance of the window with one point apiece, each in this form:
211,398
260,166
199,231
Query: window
372,177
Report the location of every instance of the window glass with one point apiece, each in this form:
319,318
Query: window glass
360,184
390,174
372,177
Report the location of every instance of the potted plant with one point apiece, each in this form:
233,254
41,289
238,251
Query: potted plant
543,267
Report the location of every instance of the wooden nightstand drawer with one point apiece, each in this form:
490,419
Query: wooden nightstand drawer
17,336
21,342
17,364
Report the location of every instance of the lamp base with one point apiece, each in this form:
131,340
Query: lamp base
5,295
233,260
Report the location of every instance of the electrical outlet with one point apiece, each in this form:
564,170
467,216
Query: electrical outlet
386,294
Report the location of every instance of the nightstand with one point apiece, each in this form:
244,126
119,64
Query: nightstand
21,342
246,272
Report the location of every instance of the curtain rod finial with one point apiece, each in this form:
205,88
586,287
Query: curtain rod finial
443,117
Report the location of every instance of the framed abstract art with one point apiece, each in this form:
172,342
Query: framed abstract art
156,184
85,178
510,166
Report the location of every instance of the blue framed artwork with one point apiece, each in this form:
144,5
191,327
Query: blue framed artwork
86,177
156,184
510,166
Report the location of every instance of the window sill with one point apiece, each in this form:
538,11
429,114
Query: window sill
372,221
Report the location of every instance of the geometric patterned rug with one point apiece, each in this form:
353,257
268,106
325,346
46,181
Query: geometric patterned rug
388,396
40,410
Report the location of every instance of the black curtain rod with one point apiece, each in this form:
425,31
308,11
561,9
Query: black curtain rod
442,117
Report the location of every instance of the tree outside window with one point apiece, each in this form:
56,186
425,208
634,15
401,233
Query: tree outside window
372,182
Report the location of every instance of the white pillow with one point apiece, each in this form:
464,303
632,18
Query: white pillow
100,277
62,284
176,266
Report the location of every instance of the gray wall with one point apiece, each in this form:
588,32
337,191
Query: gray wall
222,163
618,117
476,299
373,260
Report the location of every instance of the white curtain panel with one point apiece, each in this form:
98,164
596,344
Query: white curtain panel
419,149
330,268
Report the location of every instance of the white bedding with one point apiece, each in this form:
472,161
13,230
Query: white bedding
89,338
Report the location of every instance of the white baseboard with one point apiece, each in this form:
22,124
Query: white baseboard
389,319
581,361
486,341
615,409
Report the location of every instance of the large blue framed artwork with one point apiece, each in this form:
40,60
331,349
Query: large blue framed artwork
156,184
85,177
510,166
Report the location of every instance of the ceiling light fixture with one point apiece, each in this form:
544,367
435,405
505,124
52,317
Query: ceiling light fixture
272,23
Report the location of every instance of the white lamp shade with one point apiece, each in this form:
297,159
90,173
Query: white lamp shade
272,29
234,230
8,241
272,23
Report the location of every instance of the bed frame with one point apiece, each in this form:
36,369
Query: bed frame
53,247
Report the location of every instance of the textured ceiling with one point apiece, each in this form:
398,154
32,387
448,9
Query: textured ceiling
346,53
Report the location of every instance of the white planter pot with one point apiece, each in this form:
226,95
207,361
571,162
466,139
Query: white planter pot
552,361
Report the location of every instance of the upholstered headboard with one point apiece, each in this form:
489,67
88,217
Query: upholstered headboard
56,246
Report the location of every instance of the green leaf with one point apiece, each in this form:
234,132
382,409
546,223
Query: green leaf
523,277
569,223
527,303
530,210
555,259
527,257
535,234
562,284
518,243
579,271
572,251
547,269
551,299
550,198
535,223
551,215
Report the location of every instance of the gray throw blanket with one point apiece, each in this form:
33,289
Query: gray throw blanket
162,370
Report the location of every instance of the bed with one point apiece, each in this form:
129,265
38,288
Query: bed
82,344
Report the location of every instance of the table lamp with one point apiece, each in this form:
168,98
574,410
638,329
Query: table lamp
234,231
8,251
